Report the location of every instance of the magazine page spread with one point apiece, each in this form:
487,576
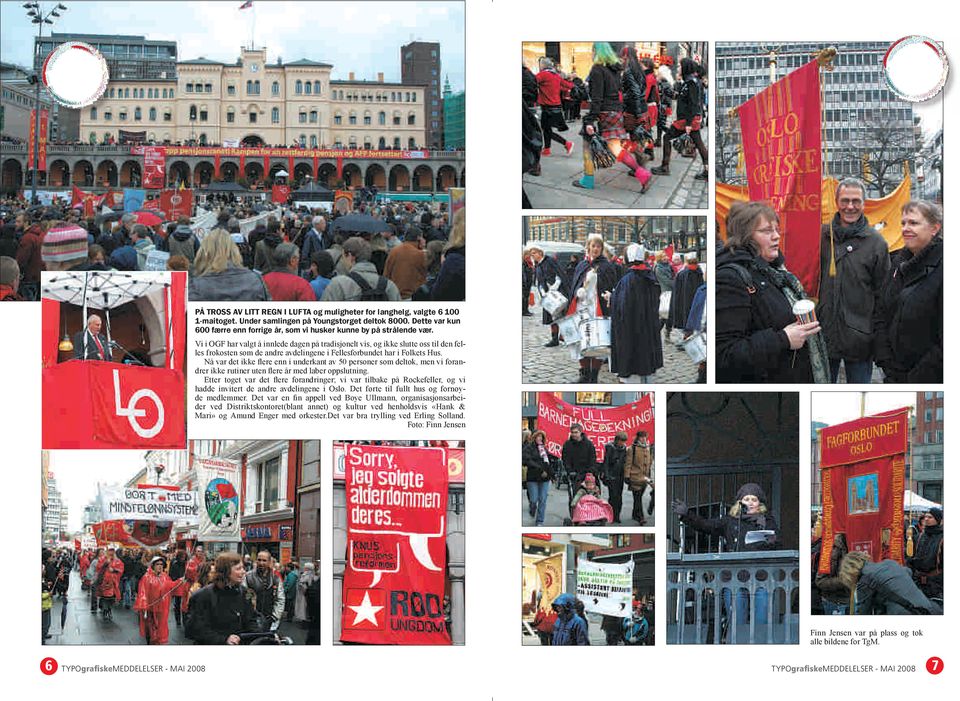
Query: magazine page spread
248,357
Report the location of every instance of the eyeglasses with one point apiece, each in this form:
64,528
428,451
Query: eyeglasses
767,231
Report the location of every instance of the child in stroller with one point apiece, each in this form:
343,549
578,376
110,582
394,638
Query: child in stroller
587,507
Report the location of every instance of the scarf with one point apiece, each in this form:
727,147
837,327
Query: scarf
840,232
790,287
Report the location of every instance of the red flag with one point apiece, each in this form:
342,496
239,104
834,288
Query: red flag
96,404
173,203
862,471
280,193
668,252
290,168
780,130
216,165
393,582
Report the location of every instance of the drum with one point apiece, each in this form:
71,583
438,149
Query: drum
568,329
696,347
664,310
554,303
595,338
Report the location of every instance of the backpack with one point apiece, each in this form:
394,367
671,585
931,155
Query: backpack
370,294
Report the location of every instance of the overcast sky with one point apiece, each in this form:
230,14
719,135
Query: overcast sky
78,471
836,407
363,37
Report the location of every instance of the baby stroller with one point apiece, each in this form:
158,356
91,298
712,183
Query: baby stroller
589,510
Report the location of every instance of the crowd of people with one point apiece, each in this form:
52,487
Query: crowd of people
623,467
404,252
874,310
628,99
227,599
854,583
639,293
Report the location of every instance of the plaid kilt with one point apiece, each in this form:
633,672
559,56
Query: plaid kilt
610,126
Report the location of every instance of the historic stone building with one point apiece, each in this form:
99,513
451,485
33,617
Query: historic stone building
258,104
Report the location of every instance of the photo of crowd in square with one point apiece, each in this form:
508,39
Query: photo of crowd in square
587,458
631,104
216,546
733,566
588,589
113,351
876,542
399,567
266,180
829,205
628,293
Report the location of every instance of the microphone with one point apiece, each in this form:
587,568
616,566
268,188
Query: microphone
131,358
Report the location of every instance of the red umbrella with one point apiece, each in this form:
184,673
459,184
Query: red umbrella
148,218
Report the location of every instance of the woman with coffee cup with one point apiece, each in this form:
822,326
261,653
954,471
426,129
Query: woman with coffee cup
760,336
908,318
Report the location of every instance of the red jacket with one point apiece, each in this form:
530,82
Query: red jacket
550,84
28,255
287,287
110,582
153,604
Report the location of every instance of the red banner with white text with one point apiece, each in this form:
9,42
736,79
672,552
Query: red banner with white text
393,582
862,473
600,424
780,130
154,167
97,404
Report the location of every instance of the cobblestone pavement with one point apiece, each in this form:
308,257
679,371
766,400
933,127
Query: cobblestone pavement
556,366
614,187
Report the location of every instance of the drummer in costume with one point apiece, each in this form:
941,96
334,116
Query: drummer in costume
688,280
635,350
549,276
593,280
606,118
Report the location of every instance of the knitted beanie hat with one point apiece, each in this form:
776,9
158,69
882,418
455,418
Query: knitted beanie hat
64,243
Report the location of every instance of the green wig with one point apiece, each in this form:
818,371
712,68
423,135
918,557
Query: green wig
604,54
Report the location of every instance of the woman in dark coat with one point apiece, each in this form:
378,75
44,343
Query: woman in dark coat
927,562
758,338
748,514
689,116
451,283
608,274
606,117
539,474
635,350
909,316
546,273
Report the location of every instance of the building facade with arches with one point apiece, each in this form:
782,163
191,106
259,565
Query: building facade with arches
256,103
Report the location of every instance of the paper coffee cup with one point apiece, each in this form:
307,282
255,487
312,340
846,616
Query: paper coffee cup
803,309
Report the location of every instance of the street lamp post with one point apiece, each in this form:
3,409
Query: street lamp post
37,17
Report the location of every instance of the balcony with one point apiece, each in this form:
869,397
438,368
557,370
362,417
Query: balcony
758,601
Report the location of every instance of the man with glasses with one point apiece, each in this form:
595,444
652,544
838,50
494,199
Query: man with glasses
854,263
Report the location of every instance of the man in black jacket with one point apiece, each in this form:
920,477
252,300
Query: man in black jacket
614,459
854,263
579,454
